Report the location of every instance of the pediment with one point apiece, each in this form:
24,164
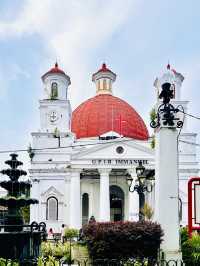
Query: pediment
52,192
108,150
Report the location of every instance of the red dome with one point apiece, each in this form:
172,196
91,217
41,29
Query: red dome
104,113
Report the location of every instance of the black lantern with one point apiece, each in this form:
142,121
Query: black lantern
140,169
141,186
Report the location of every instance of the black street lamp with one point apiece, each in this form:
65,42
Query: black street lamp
141,186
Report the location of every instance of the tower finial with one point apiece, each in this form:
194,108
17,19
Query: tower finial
56,64
104,67
168,65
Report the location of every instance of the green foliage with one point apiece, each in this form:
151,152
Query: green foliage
71,233
56,133
147,211
4,262
125,239
57,250
48,261
190,248
153,142
136,263
153,114
184,234
194,243
26,214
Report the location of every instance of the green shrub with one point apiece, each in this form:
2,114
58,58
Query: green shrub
125,239
190,248
4,262
184,234
71,233
57,250
194,243
49,261
147,211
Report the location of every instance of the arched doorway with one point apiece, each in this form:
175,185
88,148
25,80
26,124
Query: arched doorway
85,208
116,204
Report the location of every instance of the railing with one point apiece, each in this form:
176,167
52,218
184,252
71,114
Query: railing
34,226
99,262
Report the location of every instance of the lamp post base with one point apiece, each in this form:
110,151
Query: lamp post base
172,255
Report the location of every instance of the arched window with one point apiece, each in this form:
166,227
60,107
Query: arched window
54,90
104,84
52,209
110,85
85,208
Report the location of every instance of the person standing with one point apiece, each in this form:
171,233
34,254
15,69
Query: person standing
50,233
63,233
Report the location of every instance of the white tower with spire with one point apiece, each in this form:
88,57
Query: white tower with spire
55,108
48,165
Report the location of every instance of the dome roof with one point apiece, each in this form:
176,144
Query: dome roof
104,113
55,70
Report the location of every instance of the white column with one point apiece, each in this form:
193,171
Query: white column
166,190
133,200
34,208
66,207
75,199
104,210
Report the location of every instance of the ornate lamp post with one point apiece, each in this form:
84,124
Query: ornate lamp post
141,186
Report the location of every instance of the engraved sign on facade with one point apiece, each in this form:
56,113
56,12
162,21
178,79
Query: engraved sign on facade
118,162
197,202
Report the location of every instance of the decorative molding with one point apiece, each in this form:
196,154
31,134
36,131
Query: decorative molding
52,192
104,171
48,170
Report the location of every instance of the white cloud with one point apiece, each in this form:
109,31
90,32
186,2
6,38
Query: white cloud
70,30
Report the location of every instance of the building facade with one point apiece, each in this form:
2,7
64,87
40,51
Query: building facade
82,159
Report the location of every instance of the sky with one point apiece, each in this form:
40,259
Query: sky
136,39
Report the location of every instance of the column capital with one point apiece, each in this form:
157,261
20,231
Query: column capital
76,170
104,171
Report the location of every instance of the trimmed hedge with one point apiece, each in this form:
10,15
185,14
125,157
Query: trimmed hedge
123,240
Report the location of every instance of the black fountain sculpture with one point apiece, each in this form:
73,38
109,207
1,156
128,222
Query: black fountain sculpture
18,241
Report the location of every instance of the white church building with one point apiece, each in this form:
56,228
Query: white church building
82,158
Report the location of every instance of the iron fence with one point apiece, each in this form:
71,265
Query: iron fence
97,262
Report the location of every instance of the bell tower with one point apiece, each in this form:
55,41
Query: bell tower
104,79
55,108
174,78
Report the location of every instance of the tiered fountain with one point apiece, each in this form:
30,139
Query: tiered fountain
17,240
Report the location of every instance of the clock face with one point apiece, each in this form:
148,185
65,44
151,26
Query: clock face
53,116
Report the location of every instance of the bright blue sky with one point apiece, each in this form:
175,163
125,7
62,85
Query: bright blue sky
135,38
